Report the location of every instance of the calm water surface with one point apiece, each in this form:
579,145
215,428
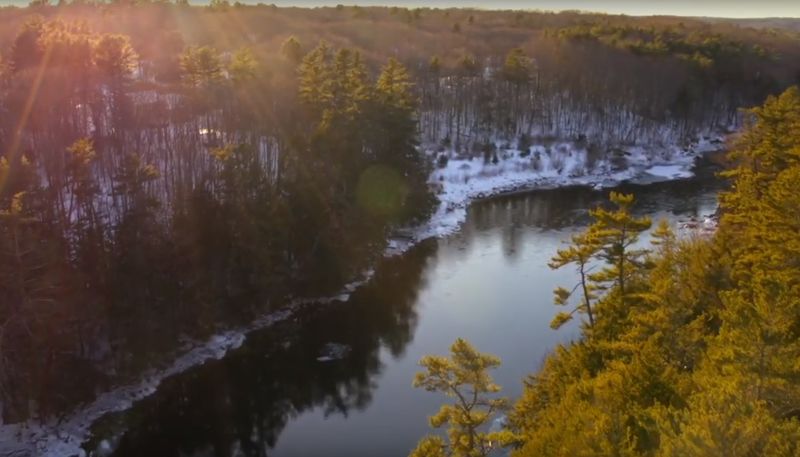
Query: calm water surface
489,283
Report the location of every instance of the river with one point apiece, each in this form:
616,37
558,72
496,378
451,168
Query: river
488,283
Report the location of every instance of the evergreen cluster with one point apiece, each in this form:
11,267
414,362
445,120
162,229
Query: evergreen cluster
131,221
704,46
696,354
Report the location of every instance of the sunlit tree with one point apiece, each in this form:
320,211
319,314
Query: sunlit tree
464,377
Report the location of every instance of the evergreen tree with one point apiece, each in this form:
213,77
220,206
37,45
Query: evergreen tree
517,67
435,65
242,67
314,76
610,239
464,376
584,247
617,232
114,56
201,67
395,117
292,50
26,51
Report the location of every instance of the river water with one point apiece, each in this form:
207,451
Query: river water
488,283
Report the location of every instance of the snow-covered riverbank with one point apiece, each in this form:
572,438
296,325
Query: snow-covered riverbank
463,180
460,181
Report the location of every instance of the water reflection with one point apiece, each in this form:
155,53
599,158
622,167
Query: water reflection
568,208
488,283
240,405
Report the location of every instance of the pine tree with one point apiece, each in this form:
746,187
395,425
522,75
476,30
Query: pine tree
314,74
617,232
242,67
760,232
581,252
130,184
81,187
357,84
395,117
517,67
394,87
609,239
292,50
201,67
114,56
26,52
701,359
464,376
435,65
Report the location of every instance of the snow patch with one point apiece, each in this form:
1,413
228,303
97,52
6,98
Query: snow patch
669,171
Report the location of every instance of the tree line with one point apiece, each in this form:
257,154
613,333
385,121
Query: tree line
487,76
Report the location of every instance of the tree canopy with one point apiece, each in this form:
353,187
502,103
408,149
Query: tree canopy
701,359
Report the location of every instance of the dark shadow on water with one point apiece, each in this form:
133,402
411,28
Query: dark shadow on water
239,405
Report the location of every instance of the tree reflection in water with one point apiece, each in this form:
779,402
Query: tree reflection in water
568,207
239,405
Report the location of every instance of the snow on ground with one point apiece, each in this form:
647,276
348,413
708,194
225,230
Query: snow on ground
560,164
458,183
669,171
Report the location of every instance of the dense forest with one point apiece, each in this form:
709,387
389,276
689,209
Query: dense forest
693,349
129,226
168,169
689,345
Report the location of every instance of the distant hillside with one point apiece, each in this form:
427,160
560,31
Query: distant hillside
781,23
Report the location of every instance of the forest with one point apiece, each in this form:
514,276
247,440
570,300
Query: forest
694,349
688,347
168,170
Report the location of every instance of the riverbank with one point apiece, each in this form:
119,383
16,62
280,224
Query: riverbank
459,187
464,180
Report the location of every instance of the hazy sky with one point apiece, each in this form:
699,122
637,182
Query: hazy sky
718,8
